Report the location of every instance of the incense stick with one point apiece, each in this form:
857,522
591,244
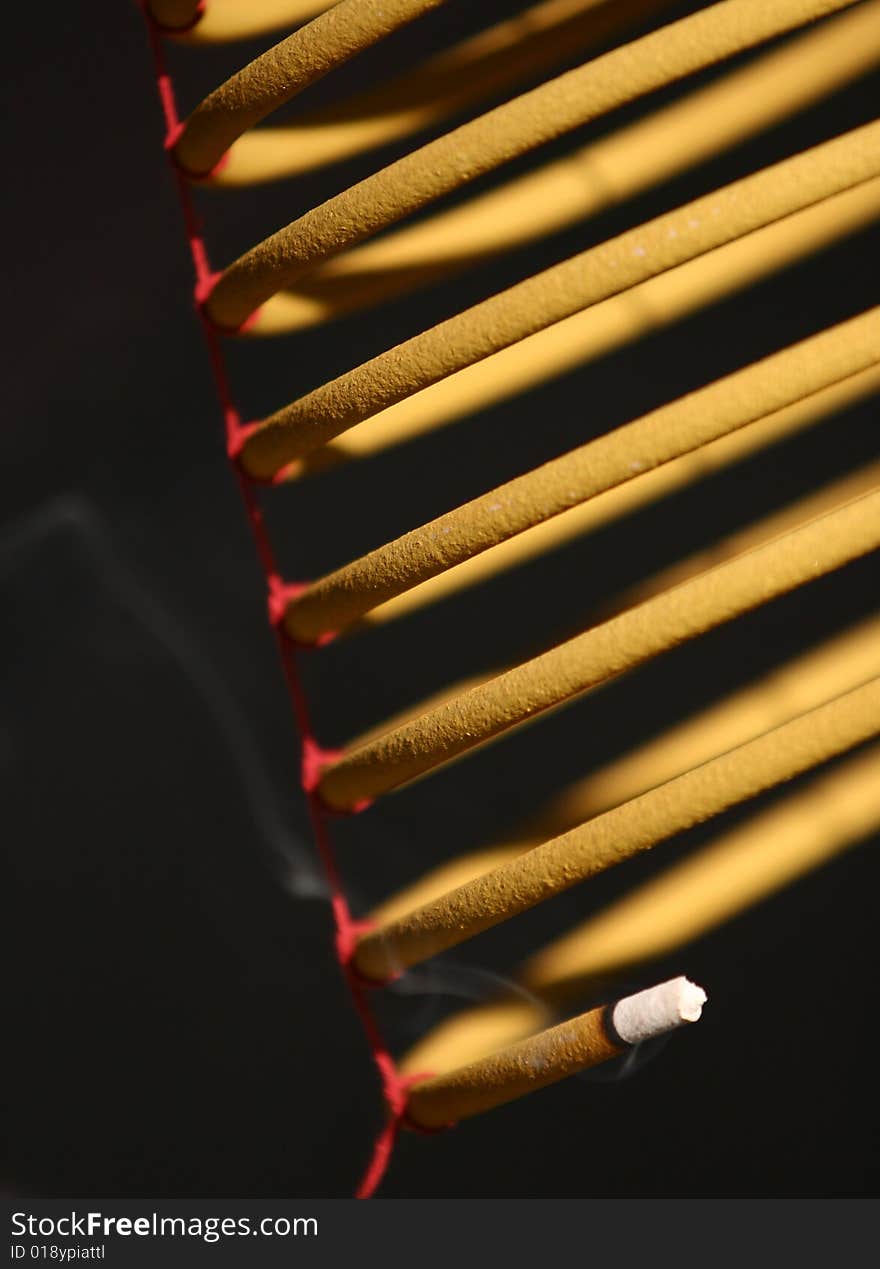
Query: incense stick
808,680
668,433
562,192
661,622
621,833
478,147
739,869
550,1056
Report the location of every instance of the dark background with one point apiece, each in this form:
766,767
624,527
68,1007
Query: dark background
176,1022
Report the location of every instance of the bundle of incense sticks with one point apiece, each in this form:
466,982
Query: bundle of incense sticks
354,251
832,813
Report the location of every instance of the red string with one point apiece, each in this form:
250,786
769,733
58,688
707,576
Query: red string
394,1086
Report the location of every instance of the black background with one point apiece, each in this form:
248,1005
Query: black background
176,1024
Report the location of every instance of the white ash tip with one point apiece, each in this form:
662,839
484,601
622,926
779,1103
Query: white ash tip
657,1010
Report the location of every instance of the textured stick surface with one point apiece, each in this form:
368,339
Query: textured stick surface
741,103
664,434
472,1034
599,654
512,1072
623,832
479,67
809,680
611,324
275,77
642,490
478,147
739,869
561,291
793,516
819,502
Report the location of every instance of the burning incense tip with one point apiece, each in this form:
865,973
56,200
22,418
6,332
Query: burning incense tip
658,1009
551,1055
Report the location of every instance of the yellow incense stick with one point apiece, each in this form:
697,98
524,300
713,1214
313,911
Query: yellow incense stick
834,812
544,1059
619,834
641,446
742,102
661,622
808,680
824,703
475,148
480,67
